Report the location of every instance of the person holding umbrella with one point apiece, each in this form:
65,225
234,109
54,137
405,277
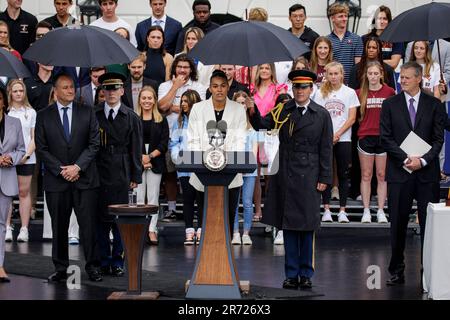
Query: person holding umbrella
305,170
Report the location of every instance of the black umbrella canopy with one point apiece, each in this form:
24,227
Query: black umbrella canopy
427,22
81,46
11,67
248,43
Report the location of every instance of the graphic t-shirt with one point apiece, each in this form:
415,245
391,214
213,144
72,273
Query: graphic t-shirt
370,125
338,103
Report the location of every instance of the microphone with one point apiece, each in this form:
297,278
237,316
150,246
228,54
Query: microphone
222,126
211,128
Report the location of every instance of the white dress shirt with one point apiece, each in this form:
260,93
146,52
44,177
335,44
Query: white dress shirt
162,23
115,109
69,113
416,105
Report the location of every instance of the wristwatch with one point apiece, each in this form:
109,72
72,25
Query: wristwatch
27,157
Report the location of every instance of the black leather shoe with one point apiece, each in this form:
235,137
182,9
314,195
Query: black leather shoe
4,280
305,283
290,283
396,279
94,275
58,276
117,272
106,271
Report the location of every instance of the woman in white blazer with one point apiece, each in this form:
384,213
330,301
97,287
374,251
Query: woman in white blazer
12,150
217,108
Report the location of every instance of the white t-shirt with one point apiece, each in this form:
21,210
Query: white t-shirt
338,104
27,117
164,88
282,70
120,23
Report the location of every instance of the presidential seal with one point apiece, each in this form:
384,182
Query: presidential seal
215,159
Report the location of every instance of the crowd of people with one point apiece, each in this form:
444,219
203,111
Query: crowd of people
131,123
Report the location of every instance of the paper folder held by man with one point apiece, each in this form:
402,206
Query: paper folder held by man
415,146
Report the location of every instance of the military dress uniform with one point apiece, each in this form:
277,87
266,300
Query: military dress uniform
118,163
305,159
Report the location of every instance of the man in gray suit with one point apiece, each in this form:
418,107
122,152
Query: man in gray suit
12,150
87,93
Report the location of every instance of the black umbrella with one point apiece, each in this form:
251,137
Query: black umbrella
427,22
81,46
11,67
248,43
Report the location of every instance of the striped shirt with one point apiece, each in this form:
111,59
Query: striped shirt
346,50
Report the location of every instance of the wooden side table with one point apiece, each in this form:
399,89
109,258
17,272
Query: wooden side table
133,226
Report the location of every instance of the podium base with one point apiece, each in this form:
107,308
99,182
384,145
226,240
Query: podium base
216,291
122,295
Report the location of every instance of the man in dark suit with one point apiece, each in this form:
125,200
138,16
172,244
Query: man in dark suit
305,170
136,82
67,141
87,93
170,26
119,165
410,110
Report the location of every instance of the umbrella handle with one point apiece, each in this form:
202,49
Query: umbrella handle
440,65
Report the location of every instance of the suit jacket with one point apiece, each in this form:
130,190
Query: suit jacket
54,151
127,97
197,136
14,146
171,31
395,125
84,95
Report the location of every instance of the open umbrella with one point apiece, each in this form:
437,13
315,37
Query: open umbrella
426,22
248,43
11,67
81,46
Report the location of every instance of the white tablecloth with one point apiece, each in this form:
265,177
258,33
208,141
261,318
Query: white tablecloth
436,252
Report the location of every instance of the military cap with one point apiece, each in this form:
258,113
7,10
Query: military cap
302,78
112,80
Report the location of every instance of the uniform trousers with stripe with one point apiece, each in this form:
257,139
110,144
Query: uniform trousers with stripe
299,253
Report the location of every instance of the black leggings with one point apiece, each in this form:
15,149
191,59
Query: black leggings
189,196
343,153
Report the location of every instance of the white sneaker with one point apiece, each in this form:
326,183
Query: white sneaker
342,217
279,238
9,235
236,238
367,217
335,193
246,239
23,235
381,217
327,216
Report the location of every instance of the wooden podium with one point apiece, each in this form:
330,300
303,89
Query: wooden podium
133,226
215,275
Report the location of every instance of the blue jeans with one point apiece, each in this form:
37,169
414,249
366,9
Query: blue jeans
247,200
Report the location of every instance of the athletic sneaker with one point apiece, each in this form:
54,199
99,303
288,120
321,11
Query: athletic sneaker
23,235
326,217
279,238
342,217
9,234
381,216
236,238
366,218
246,240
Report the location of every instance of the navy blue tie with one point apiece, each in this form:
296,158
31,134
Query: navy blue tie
66,124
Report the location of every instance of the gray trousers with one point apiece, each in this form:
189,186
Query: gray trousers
5,202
